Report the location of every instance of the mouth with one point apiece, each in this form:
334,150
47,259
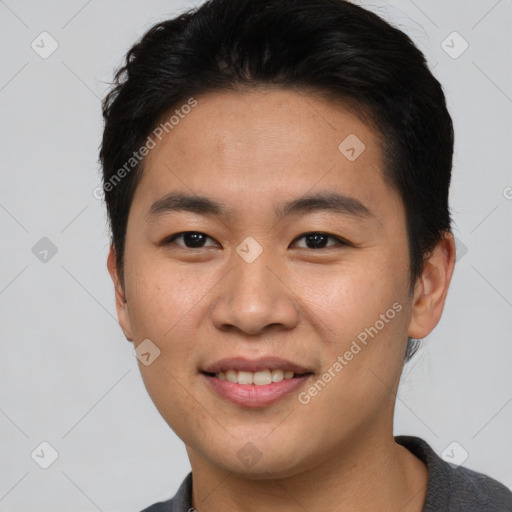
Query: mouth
255,383
259,378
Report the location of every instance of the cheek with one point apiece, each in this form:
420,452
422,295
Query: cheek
363,311
349,297
162,296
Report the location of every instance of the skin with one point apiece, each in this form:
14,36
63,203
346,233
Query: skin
254,150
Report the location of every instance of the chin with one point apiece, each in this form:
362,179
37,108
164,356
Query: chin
259,459
262,469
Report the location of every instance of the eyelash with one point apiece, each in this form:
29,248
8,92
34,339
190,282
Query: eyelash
340,241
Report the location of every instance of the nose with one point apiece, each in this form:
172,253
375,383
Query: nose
255,298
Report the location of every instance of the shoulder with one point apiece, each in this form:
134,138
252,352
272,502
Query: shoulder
182,501
470,487
457,489
161,506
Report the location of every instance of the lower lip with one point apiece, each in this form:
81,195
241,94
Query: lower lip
250,395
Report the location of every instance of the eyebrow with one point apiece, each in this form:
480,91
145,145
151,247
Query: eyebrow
201,205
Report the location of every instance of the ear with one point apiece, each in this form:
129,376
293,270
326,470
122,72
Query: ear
431,288
121,301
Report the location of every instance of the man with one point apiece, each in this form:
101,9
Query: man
280,238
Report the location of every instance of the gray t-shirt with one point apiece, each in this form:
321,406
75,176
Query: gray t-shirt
449,489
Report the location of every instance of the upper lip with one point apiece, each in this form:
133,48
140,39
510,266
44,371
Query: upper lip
254,365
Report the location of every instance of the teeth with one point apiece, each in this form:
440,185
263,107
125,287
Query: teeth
277,375
244,377
261,378
231,376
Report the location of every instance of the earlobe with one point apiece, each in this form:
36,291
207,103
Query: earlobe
120,295
431,288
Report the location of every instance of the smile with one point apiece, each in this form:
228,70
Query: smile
260,378
255,382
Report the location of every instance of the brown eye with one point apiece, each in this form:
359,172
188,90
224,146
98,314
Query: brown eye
189,239
319,240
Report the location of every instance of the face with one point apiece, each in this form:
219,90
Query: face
263,237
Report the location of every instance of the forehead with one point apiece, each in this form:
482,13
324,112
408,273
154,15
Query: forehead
281,124
268,143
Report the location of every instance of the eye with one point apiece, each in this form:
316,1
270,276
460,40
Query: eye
197,240
317,240
190,239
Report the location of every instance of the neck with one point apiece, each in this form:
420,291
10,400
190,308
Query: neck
372,474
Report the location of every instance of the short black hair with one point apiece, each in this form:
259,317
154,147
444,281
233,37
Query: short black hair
332,47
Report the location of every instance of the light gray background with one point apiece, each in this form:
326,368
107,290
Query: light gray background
69,377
